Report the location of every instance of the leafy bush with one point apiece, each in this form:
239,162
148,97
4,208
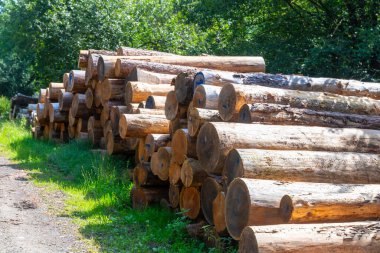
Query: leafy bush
5,106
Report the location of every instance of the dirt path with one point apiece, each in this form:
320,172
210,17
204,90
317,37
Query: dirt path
27,220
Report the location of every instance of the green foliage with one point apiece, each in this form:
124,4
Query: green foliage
5,106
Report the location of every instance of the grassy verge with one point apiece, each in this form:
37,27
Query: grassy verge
98,195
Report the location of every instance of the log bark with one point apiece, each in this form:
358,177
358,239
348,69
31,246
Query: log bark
140,156
154,141
192,173
210,189
355,237
65,100
218,213
113,89
129,51
216,139
136,92
160,163
144,76
174,192
286,115
232,97
140,125
55,115
54,90
150,111
173,109
76,83
125,67
116,145
190,202
309,166
183,145
155,102
216,78
197,117
142,197
206,96
78,106
143,176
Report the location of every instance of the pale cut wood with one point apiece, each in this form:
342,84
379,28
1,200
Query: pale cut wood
154,141
189,202
183,145
206,96
173,109
92,64
310,166
113,89
95,131
72,120
218,213
232,97
216,139
42,96
136,92
65,100
197,117
144,76
54,90
106,67
78,106
192,173
149,111
81,127
55,115
286,115
129,51
140,125
353,237
76,83
155,102
142,197
160,164
65,80
174,192
210,189
106,111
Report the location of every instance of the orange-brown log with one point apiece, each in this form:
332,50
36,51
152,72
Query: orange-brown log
92,65
210,189
183,145
216,78
216,139
72,120
76,82
143,176
54,90
116,145
113,89
108,128
312,238
173,109
286,115
174,192
160,163
136,92
154,141
144,76
174,173
65,100
140,125
206,96
176,124
189,202
78,106
42,96
83,59
192,173
71,131
196,117
142,197
233,96
155,102
218,213
305,166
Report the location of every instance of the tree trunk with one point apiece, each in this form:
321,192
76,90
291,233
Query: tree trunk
192,173
160,163
232,97
129,51
173,109
216,139
210,189
65,100
77,82
309,166
154,141
81,126
286,115
113,89
355,237
136,92
197,117
142,197
144,76
183,145
206,96
218,213
155,102
189,202
140,125
174,192
54,90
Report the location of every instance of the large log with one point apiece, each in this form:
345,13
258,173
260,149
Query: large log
65,80
95,131
174,172
216,78
65,100
192,173
98,94
54,90
189,202
142,197
144,76
78,106
355,237
184,89
140,125
106,110
116,145
154,141
83,59
125,67
129,51
287,115
76,82
218,213
172,108
311,166
206,96
155,102
183,146
176,124
216,139
89,98
232,97
113,89
136,92
40,112
115,113
42,96
143,176
210,189
55,115
258,202
197,117
161,162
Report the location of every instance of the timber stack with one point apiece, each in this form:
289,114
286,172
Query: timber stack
281,163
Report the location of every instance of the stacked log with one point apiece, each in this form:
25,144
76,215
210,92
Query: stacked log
230,146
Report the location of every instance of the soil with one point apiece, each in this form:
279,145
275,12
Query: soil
29,216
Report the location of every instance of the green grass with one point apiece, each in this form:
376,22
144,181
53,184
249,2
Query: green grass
5,106
98,193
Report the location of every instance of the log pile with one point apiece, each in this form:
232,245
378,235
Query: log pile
263,158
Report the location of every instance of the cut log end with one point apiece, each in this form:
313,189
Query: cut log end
208,147
174,192
218,212
227,102
209,191
248,242
286,208
171,106
244,114
233,166
199,97
190,202
174,173
89,98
